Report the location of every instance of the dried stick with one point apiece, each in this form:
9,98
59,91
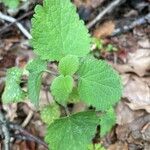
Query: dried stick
26,134
18,19
139,21
28,118
5,131
20,26
108,9
22,137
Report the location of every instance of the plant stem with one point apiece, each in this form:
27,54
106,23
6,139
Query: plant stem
51,72
66,110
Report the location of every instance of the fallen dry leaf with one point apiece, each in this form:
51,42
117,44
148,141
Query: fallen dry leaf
125,115
140,61
104,30
122,68
137,92
118,146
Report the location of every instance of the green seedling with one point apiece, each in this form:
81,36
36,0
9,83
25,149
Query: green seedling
59,35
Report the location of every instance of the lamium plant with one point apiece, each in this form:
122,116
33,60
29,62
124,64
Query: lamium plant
58,35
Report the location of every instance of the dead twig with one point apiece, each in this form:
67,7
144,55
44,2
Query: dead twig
108,9
5,131
26,135
7,127
19,25
28,118
18,19
138,22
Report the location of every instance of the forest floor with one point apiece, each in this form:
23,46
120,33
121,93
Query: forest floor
123,40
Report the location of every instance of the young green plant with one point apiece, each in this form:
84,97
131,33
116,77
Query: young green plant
59,35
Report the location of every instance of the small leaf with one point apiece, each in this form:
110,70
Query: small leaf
50,113
72,133
74,96
36,65
96,147
60,32
107,121
34,85
13,92
36,68
61,88
11,3
99,43
99,85
111,48
68,65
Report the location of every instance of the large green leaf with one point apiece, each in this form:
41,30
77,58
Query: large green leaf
57,31
99,85
61,88
13,91
68,65
107,121
36,68
72,133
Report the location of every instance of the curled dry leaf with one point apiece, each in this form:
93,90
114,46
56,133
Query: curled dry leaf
140,61
125,115
137,92
122,68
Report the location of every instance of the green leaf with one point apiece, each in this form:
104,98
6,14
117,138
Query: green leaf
68,65
96,147
72,133
61,88
99,43
111,48
107,121
34,85
74,96
50,113
13,92
99,85
36,68
11,3
57,31
36,65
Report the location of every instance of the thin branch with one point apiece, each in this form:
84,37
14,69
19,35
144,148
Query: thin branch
20,26
52,72
5,131
18,19
24,133
28,138
23,137
28,118
67,110
108,9
139,21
